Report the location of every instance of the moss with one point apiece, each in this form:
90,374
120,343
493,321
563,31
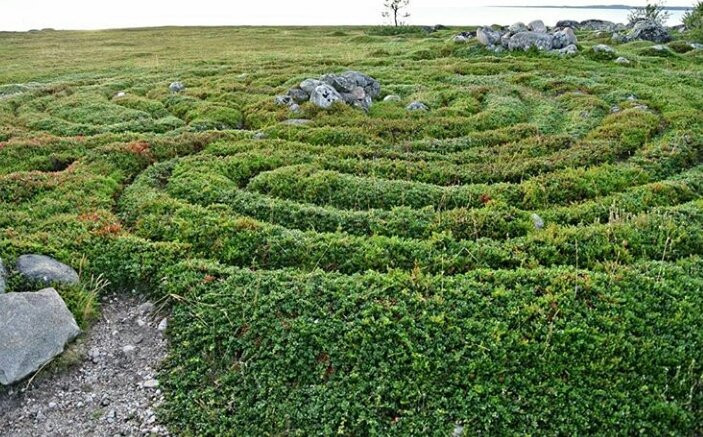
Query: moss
524,257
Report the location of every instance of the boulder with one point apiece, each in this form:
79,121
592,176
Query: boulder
537,26
517,27
622,60
696,46
603,25
564,37
34,328
309,85
649,30
603,48
340,83
487,36
298,95
176,87
460,39
371,86
618,38
568,50
568,23
505,40
3,277
44,269
391,98
324,96
527,40
417,106
283,100
358,97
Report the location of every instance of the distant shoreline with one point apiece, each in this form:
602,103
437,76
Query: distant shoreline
616,7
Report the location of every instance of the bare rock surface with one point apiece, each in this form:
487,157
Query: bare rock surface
41,268
34,328
111,390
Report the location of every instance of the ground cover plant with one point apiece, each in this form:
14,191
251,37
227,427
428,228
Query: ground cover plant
526,257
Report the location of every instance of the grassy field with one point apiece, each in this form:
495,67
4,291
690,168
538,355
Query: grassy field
380,273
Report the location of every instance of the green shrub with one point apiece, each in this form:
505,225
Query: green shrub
693,20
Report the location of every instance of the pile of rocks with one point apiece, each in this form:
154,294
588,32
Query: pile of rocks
35,325
647,30
520,36
351,87
592,25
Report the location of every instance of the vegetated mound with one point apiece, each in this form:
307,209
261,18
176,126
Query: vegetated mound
523,257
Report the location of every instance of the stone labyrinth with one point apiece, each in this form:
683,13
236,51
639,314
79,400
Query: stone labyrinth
523,255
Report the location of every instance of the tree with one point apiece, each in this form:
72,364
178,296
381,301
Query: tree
394,9
693,20
653,11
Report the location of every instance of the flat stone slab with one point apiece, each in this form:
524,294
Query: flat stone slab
34,328
40,268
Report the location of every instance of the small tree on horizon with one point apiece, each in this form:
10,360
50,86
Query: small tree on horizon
394,10
653,10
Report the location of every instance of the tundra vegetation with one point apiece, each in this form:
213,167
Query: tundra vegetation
522,257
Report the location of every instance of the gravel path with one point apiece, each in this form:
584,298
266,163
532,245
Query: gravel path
111,390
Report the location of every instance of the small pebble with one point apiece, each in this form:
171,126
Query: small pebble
150,383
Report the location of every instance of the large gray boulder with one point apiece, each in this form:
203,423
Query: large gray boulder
3,277
487,36
34,328
561,24
537,26
564,38
358,97
44,269
324,96
569,50
371,86
599,25
309,85
527,40
339,82
298,95
518,27
648,30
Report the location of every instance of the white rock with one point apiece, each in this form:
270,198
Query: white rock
537,26
150,383
324,96
163,324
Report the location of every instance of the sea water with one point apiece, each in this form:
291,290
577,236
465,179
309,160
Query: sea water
486,15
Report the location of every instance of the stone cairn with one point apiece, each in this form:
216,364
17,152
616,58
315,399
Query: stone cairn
351,87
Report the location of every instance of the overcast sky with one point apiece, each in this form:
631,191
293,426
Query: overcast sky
100,14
